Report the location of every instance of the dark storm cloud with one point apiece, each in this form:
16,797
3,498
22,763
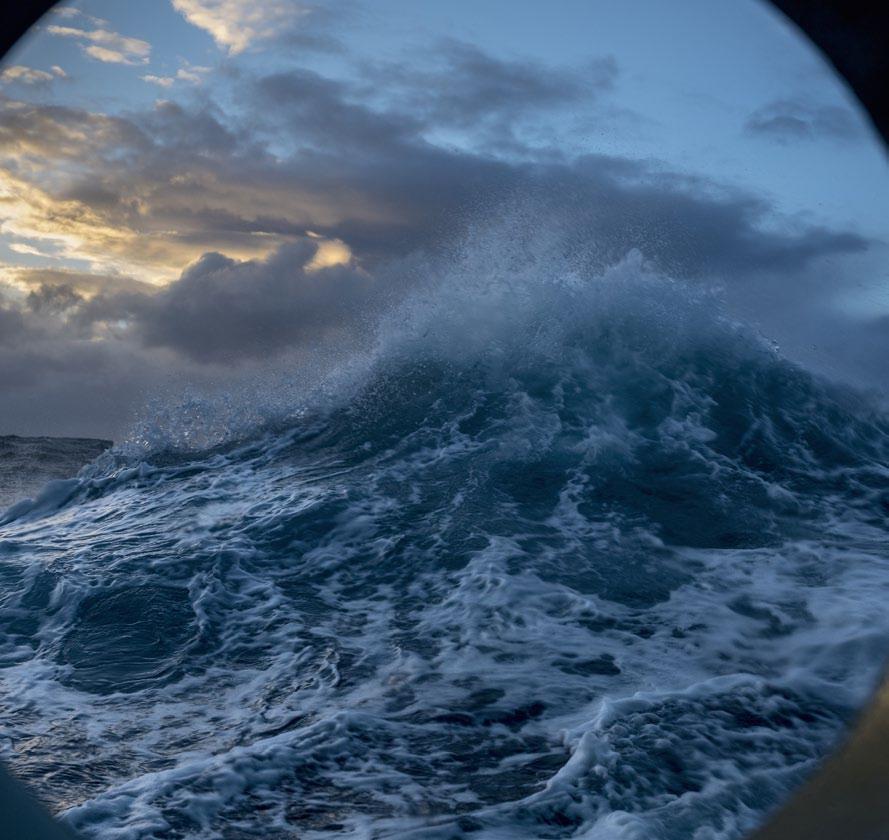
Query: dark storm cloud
221,310
369,178
424,193
224,311
321,111
787,121
168,187
469,87
53,298
12,325
63,385
60,132
85,284
200,131
686,226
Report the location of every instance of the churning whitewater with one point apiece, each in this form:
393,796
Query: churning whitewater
561,552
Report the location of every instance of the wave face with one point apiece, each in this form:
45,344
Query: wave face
559,556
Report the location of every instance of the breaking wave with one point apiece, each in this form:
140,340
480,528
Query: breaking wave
560,553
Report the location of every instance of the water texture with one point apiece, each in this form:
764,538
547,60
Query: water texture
560,554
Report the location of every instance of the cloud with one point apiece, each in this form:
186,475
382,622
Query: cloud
78,363
161,81
53,298
223,321
223,310
65,11
106,45
292,205
329,253
235,25
143,195
22,248
26,279
81,181
12,325
467,88
69,12
689,226
30,76
788,121
57,383
190,73
53,132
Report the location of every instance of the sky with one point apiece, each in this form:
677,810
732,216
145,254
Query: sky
194,190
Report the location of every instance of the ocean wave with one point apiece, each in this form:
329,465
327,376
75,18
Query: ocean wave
559,553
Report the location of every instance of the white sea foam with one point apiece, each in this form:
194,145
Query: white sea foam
562,554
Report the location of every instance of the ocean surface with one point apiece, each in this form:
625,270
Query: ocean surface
28,463
557,557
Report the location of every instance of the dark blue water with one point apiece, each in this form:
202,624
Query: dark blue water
557,557
28,463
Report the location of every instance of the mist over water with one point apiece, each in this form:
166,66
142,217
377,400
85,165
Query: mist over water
553,547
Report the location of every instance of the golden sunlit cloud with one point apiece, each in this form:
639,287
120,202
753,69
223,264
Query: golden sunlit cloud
330,252
105,45
31,76
22,248
129,240
101,191
236,24
77,231
22,280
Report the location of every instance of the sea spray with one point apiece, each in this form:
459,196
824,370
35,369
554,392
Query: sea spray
559,551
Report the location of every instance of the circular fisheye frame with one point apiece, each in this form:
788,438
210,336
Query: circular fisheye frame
433,420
